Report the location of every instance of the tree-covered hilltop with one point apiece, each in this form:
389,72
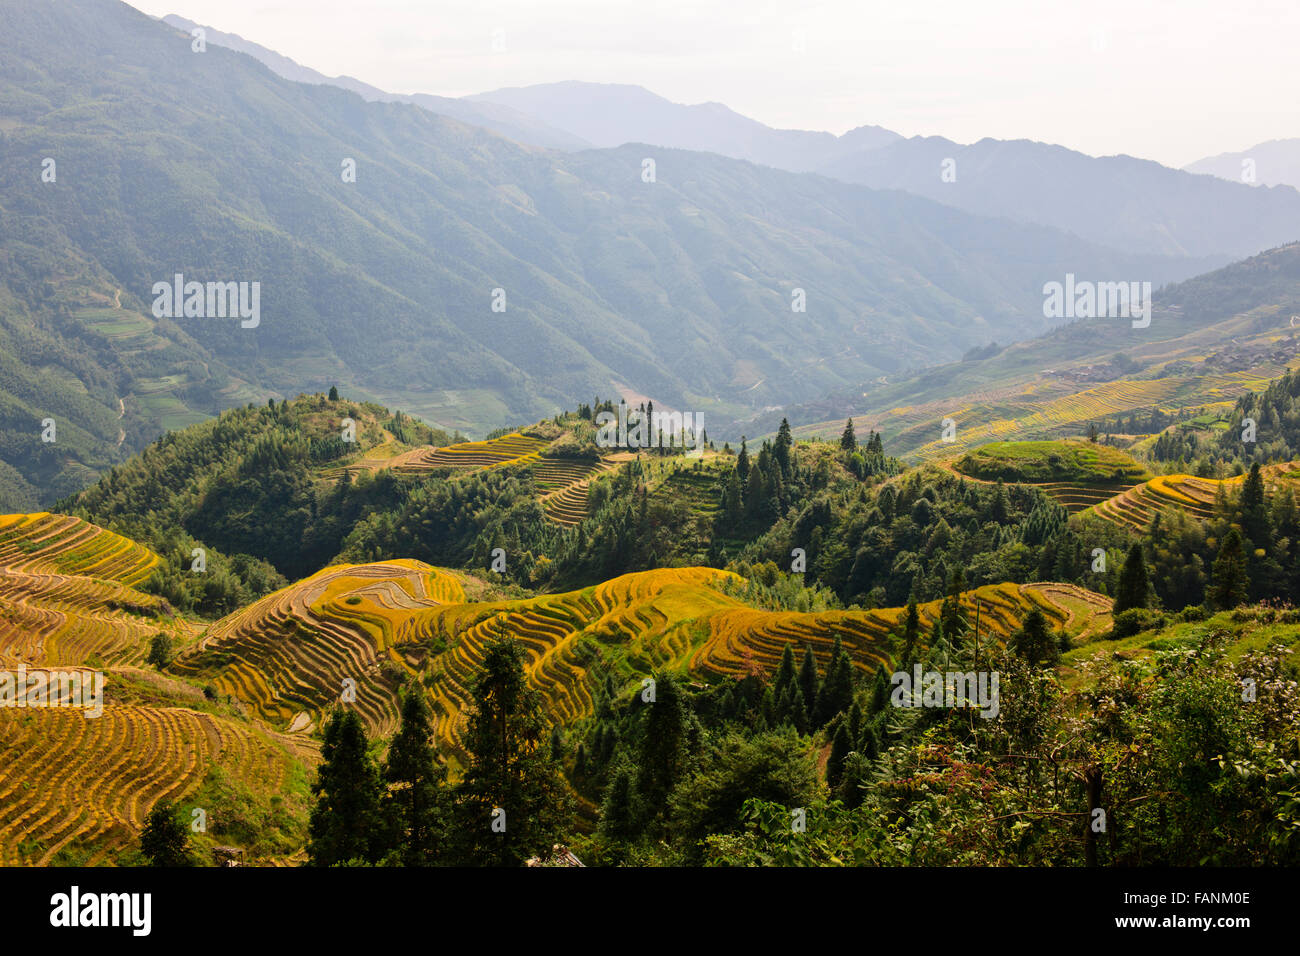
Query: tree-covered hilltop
907,538
251,488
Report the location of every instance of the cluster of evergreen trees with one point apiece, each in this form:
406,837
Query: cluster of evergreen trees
1275,413
512,803
1248,551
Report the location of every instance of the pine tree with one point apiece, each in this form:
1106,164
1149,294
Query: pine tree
334,393
742,461
415,807
785,674
841,744
869,743
1134,587
663,746
1033,641
809,685
513,801
880,691
837,692
732,505
343,823
755,494
855,720
998,507
1254,514
911,631
781,450
1230,585
793,708
618,811
847,440
166,839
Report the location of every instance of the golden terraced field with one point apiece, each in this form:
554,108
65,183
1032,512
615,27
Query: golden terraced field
511,449
381,624
75,789
66,594
67,782
1136,507
288,655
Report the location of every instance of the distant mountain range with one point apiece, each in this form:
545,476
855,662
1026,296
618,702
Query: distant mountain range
687,289
1131,204
498,118
1275,163
609,115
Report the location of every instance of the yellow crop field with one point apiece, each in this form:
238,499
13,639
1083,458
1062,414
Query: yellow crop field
1136,507
66,594
71,782
744,640
72,546
289,654
565,483
511,449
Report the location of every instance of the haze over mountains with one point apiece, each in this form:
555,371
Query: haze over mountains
500,119
1274,163
1132,204
208,165
685,285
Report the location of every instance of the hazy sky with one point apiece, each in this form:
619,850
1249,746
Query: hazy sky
1171,81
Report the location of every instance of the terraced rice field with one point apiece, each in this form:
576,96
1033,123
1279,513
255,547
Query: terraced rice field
1043,408
72,546
565,483
66,594
649,614
698,487
744,640
511,449
1136,507
1077,497
288,655
88,784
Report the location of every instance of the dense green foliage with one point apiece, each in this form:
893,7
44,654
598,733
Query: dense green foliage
166,837
1276,415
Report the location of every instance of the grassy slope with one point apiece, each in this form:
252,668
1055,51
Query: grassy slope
1037,462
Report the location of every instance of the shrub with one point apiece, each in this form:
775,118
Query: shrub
1134,621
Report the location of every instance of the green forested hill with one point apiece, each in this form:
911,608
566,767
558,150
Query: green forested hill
206,164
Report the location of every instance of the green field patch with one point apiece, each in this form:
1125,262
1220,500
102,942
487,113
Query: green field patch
115,323
170,411
151,386
1036,462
